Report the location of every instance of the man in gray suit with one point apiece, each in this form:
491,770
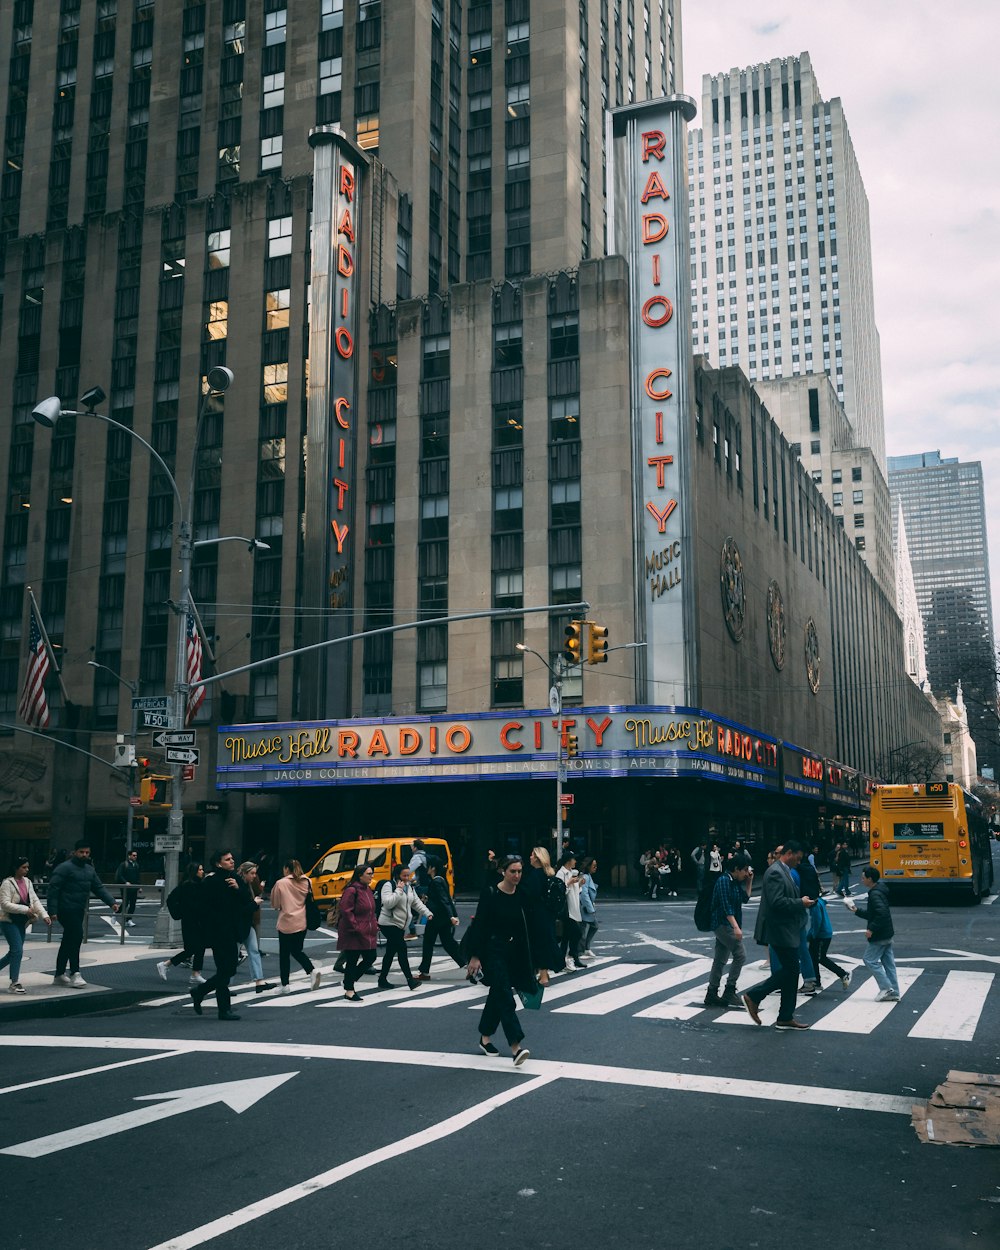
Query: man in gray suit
779,925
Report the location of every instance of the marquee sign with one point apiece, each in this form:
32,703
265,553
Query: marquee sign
649,224
614,741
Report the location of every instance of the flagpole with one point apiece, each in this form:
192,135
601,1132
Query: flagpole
48,645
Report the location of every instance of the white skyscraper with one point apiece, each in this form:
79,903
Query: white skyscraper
781,263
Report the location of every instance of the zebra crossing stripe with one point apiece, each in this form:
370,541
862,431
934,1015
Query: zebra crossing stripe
623,996
689,1003
575,984
861,1013
954,1014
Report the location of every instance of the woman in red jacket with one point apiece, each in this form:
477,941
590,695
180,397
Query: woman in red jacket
357,930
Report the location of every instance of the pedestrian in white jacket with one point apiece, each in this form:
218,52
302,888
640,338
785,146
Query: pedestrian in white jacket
398,906
19,905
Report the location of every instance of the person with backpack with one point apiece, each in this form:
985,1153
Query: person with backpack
726,920
183,903
544,897
225,904
421,880
443,922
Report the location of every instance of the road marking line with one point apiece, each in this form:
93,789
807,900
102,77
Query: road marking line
683,1082
461,995
108,1067
954,1013
611,1000
686,1005
669,947
284,1197
566,986
861,1013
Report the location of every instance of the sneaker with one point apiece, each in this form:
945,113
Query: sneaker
61,979
314,978
790,1024
487,1048
162,968
77,981
523,1054
731,1001
15,988
264,985
808,988
286,989
422,976
411,937
751,1006
845,980
713,1000
589,955
353,998
887,996
130,924
196,979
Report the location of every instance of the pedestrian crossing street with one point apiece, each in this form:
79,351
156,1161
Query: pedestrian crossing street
945,1011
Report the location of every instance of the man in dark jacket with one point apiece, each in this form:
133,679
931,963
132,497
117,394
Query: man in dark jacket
842,863
226,903
70,888
780,922
443,921
128,874
878,953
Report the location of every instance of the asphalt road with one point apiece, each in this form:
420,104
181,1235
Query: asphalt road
641,1120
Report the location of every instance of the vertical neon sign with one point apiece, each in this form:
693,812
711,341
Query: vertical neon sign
649,224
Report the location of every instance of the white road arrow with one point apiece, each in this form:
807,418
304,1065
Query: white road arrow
239,1095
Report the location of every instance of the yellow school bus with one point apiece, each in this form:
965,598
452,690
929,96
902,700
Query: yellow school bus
931,834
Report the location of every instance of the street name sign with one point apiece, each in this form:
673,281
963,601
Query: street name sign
151,703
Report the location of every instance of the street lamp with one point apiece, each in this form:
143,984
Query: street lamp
134,687
555,706
47,413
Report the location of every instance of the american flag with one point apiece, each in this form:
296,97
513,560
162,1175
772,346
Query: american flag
196,692
33,708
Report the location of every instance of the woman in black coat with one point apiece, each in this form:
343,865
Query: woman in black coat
500,947
535,885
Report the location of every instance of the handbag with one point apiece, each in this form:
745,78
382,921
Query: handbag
314,917
531,1000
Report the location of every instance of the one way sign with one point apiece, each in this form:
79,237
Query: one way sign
182,755
176,738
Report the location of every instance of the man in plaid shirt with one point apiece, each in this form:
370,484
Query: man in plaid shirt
730,890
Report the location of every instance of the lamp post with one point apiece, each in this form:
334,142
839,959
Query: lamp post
555,706
133,686
47,413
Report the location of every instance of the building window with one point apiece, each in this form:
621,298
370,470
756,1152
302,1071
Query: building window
276,309
838,498
856,473
858,496
331,75
432,682
279,237
270,153
218,249
815,447
274,90
837,476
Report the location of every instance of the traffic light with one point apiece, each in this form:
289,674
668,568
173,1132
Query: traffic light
572,746
597,643
155,791
573,644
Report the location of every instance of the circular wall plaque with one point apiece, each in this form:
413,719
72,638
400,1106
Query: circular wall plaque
813,660
776,623
734,597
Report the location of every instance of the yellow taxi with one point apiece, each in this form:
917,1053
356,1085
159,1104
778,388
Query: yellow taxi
334,869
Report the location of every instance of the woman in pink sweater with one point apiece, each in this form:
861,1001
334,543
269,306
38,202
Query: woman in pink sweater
288,898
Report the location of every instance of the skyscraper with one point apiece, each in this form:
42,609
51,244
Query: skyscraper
944,511
781,267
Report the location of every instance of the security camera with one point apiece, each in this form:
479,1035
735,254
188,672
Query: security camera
48,412
90,399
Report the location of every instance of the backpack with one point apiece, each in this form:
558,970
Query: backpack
175,903
703,912
555,897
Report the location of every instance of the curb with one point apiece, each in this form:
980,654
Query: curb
63,1008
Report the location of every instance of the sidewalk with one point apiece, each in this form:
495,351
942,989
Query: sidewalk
117,976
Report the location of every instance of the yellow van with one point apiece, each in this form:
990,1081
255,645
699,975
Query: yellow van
334,869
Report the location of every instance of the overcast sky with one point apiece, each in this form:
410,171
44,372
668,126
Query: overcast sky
921,94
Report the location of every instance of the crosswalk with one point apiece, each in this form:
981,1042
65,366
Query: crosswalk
948,1010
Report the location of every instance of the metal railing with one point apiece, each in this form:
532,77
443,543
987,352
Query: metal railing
122,916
